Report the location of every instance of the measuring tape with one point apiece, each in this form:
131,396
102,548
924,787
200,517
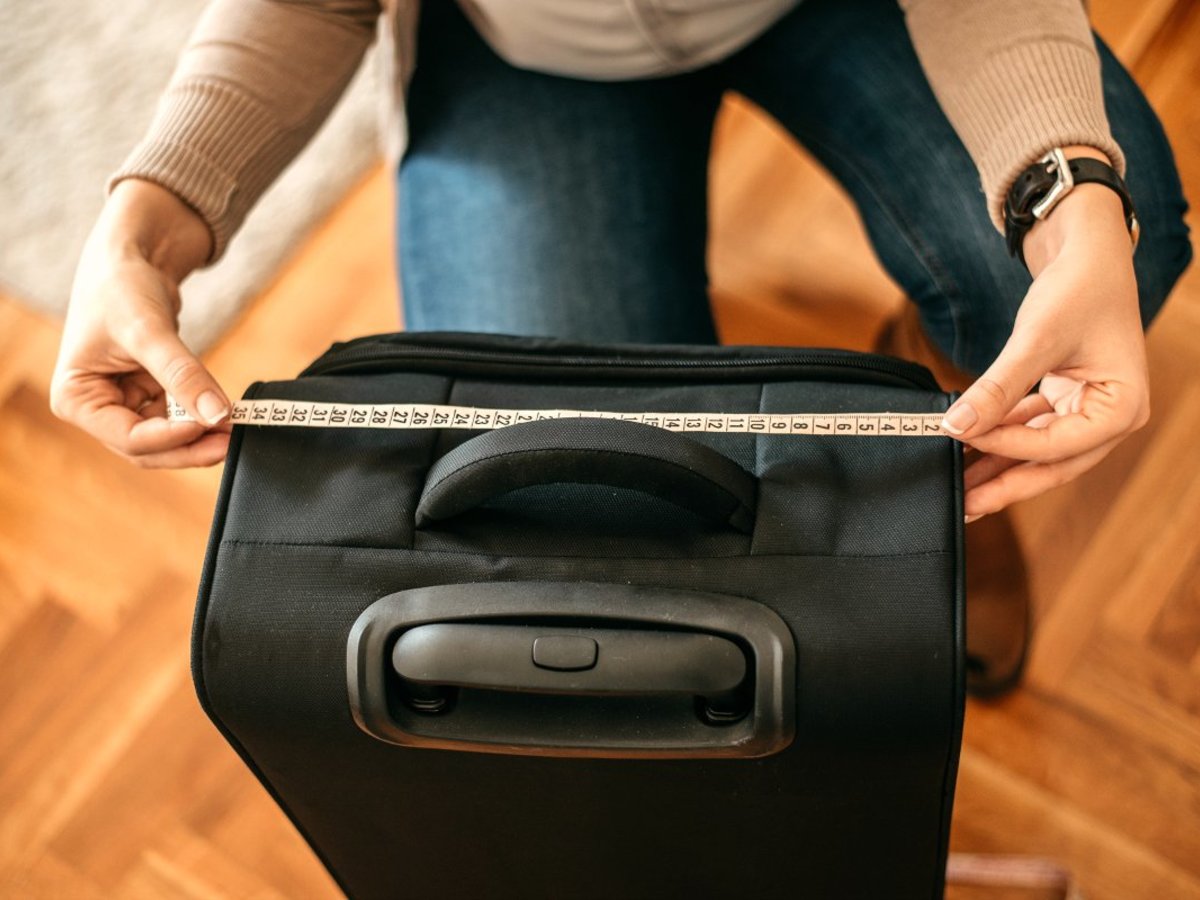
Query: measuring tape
311,414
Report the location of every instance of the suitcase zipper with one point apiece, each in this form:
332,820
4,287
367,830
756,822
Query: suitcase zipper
369,354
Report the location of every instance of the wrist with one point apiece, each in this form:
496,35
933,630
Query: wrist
1090,214
144,219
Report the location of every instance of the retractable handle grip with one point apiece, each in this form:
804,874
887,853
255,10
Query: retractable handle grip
550,660
622,454
573,668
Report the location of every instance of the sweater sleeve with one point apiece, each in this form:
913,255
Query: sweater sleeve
1015,79
252,85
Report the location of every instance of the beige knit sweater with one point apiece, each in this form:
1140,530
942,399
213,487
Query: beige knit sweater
258,77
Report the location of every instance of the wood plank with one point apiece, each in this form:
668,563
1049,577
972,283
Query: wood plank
1144,696
1131,28
182,864
65,750
1128,532
87,478
1108,864
48,877
1136,790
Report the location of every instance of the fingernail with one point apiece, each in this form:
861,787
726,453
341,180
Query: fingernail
969,519
960,417
212,410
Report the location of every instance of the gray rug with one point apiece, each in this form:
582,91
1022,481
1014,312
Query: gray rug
78,84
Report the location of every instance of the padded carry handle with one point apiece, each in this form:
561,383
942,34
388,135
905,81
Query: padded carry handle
631,455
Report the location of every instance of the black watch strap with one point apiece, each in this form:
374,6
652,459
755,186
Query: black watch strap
1036,182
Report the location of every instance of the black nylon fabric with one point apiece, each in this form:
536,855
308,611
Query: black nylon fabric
856,545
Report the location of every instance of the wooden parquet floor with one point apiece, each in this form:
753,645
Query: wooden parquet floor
113,783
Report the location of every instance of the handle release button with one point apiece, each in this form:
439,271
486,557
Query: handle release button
564,652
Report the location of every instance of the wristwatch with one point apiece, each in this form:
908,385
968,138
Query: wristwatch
1042,186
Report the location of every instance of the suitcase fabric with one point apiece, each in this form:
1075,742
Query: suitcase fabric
749,674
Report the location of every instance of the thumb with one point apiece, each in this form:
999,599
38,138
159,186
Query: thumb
168,360
993,395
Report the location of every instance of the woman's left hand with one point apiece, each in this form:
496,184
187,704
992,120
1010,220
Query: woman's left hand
1079,333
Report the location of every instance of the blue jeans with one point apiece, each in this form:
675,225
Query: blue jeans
537,204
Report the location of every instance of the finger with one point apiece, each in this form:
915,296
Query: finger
94,402
998,391
156,407
140,389
1028,408
156,434
1034,411
154,344
1064,394
1029,479
137,393
1106,411
987,467
208,450
126,432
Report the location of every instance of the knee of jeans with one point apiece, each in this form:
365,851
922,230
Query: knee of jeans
971,317
1163,253
1164,250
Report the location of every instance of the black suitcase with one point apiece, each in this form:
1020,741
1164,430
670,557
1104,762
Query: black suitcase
591,657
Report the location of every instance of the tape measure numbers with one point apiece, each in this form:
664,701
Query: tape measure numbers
311,414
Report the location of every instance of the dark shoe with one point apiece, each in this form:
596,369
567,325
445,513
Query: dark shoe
998,620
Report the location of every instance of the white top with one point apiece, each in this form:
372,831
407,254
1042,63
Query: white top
620,39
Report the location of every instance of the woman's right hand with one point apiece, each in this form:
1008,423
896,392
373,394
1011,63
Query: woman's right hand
121,353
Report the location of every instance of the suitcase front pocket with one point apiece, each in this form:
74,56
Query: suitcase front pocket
573,669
